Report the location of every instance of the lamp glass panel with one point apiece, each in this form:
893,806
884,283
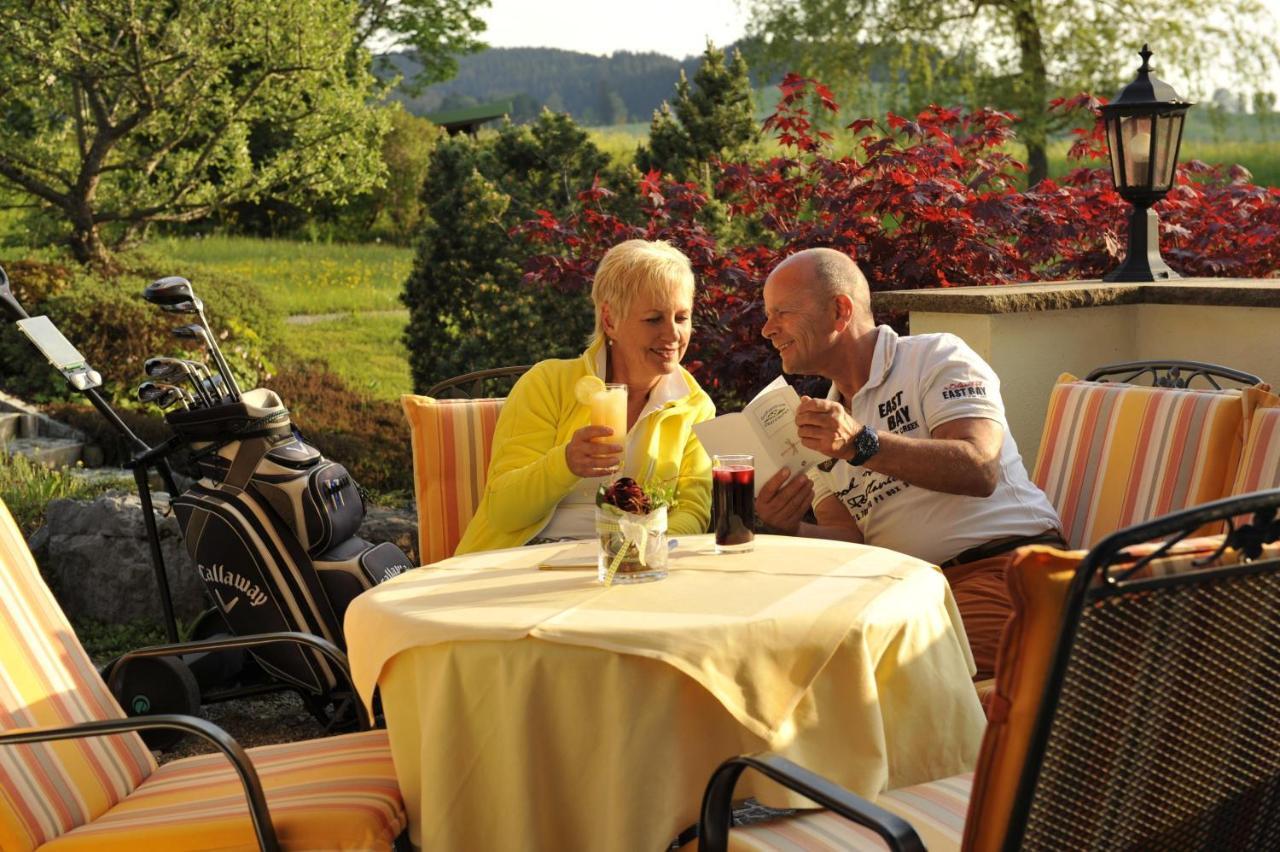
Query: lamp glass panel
1168,129
1135,142
1113,122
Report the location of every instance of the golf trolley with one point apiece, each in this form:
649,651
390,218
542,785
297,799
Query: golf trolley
269,524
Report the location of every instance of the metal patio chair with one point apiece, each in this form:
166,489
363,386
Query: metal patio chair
1171,374
495,382
75,774
1159,726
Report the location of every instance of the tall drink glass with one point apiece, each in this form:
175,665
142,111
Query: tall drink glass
609,408
733,502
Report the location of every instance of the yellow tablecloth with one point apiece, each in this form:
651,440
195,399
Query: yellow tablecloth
536,709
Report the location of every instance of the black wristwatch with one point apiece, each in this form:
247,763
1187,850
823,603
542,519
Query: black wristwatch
865,444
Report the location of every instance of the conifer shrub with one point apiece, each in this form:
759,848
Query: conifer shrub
469,307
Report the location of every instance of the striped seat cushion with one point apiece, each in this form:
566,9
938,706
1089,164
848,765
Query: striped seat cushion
1112,455
935,810
47,680
1260,460
335,793
452,442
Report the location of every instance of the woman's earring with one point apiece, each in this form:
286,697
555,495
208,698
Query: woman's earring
608,341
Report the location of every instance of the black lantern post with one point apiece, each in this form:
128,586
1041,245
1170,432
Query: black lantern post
1144,133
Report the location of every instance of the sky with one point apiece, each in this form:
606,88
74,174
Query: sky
677,28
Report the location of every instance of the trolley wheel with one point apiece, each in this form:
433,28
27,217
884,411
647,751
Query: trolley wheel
149,686
335,711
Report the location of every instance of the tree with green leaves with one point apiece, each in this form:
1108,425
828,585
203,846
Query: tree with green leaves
1013,54
713,117
437,31
118,114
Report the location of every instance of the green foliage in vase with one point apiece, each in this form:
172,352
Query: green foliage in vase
624,494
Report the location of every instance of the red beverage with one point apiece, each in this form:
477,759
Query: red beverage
733,503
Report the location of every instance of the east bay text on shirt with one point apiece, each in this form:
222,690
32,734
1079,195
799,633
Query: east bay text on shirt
896,416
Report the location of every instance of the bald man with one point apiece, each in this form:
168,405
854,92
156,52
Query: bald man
922,459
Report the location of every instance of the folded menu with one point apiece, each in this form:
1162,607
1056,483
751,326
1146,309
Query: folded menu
765,428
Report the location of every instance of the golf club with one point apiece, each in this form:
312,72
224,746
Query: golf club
161,394
196,331
176,368
215,390
175,295
9,303
216,386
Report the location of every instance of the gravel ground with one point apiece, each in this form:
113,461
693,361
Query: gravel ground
277,717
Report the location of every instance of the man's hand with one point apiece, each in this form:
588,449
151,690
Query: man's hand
783,501
588,457
827,427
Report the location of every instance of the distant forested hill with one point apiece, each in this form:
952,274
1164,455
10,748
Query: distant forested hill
596,90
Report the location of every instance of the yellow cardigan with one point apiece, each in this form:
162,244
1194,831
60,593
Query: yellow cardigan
528,474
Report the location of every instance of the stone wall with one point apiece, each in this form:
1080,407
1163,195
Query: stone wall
96,558
1030,333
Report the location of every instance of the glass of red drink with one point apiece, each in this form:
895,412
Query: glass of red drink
733,502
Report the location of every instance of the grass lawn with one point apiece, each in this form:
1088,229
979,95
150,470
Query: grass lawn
361,284
299,278
364,349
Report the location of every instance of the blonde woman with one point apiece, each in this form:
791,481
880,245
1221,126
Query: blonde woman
548,461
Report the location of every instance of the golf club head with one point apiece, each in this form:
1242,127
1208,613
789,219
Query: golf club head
162,368
169,291
191,306
169,397
149,391
7,302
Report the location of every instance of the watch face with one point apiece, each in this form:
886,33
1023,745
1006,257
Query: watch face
865,445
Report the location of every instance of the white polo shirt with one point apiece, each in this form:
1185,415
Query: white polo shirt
916,384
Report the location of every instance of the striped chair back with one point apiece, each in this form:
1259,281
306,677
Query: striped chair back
452,442
1114,455
1260,460
47,680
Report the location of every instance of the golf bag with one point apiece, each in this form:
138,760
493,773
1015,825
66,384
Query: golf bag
270,527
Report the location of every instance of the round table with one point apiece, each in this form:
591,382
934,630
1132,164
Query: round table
536,709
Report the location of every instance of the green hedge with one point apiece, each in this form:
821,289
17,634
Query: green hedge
106,318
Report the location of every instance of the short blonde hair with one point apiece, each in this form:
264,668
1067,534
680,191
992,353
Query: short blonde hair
637,266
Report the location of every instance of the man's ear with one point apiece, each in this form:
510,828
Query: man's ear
844,311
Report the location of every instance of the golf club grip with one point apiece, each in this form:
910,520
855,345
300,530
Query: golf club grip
12,309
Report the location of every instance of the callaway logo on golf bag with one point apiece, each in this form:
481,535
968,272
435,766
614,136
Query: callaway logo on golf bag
272,514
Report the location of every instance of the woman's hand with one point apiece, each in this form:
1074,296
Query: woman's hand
588,457
784,500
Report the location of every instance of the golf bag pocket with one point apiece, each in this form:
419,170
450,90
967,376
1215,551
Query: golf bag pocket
355,565
322,505
261,580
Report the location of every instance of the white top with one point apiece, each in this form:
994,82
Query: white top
575,514
916,384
